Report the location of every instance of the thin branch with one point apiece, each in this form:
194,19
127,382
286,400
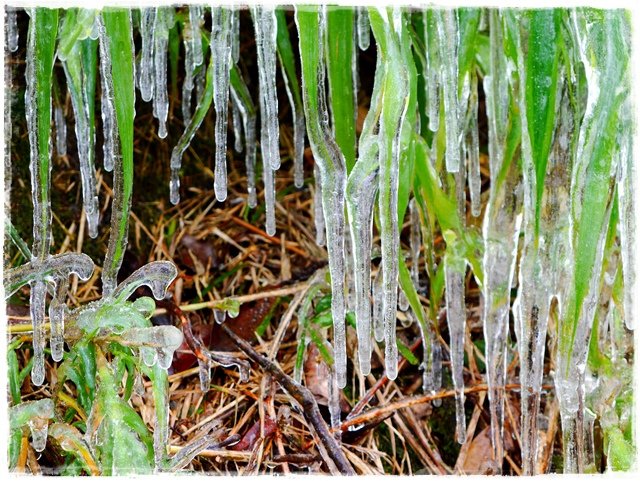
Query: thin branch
304,397
374,413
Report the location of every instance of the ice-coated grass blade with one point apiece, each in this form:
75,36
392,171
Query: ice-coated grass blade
331,163
117,24
76,25
41,43
603,40
80,71
40,56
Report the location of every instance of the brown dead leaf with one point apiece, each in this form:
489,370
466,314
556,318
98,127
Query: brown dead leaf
317,376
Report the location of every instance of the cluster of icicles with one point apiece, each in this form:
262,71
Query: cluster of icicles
345,204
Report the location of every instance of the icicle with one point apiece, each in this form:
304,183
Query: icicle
237,127
147,22
57,312
12,28
157,344
111,147
61,131
361,194
235,35
37,308
433,71
298,135
80,85
204,373
163,22
318,214
264,20
39,428
268,178
447,25
473,150
364,30
501,229
242,100
544,269
221,51
38,109
334,404
456,319
196,18
189,67
388,180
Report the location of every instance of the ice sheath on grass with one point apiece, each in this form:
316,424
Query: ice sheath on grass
116,61
331,166
501,225
603,45
41,37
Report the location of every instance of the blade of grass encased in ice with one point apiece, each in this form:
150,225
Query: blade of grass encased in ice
117,24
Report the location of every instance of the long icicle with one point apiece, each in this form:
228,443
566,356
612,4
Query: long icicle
362,187
292,86
221,52
265,24
392,122
187,135
81,80
242,100
163,23
147,22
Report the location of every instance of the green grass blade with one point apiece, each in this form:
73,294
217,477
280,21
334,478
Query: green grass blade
340,53
540,88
